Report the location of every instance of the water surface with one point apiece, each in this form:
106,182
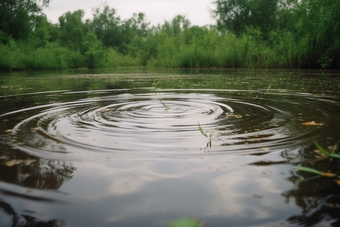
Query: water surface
124,148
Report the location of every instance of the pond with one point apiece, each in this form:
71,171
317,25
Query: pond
144,147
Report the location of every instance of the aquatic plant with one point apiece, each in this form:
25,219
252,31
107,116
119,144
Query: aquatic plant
154,84
249,92
166,107
312,170
325,154
267,91
210,135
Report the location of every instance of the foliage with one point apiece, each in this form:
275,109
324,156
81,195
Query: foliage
24,55
318,22
251,34
210,135
326,154
237,15
116,59
93,51
41,34
16,17
72,29
106,25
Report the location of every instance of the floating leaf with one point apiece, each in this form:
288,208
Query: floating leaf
333,148
319,152
10,163
9,130
329,174
184,222
28,162
13,162
337,181
312,123
231,114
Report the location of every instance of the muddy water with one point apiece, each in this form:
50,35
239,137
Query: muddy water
142,147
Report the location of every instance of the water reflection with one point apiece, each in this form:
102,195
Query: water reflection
29,172
113,149
318,198
17,220
33,172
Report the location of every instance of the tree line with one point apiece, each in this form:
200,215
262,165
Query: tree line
247,33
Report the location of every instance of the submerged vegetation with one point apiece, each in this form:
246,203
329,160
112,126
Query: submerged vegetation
260,34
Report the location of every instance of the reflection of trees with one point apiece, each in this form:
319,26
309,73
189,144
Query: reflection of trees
36,173
27,220
318,197
41,174
31,171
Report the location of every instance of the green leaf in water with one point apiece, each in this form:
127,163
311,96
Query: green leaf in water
166,107
322,149
308,169
335,155
184,222
311,170
267,91
201,130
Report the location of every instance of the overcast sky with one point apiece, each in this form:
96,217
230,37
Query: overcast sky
197,11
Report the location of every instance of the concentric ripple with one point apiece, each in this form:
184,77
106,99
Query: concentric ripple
133,125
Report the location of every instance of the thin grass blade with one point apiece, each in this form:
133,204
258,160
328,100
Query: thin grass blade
267,91
166,107
335,155
322,149
308,169
201,130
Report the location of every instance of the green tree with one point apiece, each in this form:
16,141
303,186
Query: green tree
136,32
319,22
106,25
237,15
72,29
41,34
93,51
176,26
16,17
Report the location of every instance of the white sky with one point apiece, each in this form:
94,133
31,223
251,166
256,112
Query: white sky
156,11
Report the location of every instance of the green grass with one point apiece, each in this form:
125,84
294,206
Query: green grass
326,154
